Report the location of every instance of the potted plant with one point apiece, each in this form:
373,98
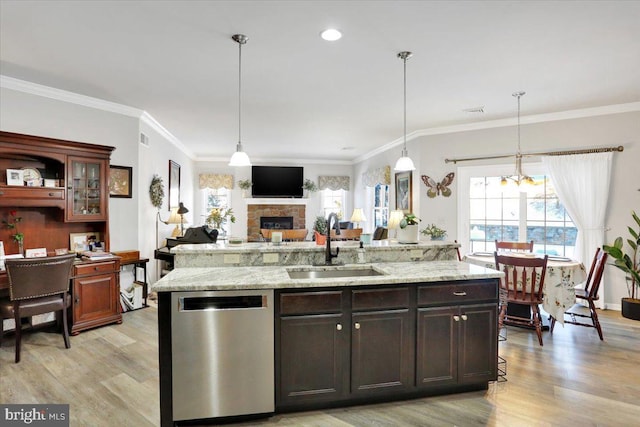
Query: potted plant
244,185
320,230
219,216
629,263
408,231
309,187
435,232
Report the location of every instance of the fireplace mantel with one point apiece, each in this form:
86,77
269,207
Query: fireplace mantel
276,201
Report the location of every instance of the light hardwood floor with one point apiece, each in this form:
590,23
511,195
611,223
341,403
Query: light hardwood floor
110,378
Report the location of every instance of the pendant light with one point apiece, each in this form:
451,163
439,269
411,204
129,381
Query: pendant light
240,158
519,178
405,163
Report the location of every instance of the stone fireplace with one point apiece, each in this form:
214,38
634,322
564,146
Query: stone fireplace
279,214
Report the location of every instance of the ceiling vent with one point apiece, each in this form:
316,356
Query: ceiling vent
144,139
479,109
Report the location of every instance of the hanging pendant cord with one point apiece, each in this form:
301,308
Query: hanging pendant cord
240,92
519,95
405,103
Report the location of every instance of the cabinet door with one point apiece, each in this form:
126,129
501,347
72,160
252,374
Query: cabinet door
381,352
313,354
95,301
478,343
86,189
437,352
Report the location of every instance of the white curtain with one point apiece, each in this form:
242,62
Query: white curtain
582,183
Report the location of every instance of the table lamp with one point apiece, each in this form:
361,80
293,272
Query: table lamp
394,220
181,211
357,216
174,218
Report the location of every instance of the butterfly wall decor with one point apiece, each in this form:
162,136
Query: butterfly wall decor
436,188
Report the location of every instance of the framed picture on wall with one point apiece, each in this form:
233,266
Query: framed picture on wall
15,177
403,192
174,184
120,180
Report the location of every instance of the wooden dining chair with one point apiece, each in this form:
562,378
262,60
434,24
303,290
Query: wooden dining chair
514,246
37,286
346,234
589,294
523,284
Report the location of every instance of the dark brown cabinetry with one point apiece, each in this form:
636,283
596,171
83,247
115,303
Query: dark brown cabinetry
95,290
456,343
314,347
363,343
382,350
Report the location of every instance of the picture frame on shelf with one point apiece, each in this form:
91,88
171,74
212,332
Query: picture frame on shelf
403,189
15,177
174,184
120,181
79,242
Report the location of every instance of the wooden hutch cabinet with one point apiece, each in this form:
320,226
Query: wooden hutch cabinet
67,192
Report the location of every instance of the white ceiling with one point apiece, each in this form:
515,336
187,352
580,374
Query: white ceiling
307,98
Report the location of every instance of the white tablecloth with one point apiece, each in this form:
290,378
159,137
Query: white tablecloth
559,282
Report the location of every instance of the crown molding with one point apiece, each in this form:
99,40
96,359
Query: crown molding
281,161
90,102
537,118
66,96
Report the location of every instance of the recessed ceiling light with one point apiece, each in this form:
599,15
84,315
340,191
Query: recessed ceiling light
331,34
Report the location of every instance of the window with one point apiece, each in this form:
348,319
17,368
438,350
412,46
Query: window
216,198
496,212
333,201
381,205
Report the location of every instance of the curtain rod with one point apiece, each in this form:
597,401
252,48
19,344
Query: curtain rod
619,148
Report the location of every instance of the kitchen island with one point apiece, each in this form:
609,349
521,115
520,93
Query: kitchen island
340,335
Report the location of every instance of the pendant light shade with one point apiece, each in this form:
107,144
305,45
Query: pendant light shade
405,163
240,158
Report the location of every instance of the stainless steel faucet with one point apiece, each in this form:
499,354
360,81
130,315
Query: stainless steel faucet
336,224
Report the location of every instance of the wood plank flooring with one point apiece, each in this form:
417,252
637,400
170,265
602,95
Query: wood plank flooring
110,378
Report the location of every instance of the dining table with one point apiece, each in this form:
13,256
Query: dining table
562,277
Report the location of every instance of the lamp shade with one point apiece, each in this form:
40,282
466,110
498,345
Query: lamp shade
174,217
182,209
239,158
394,219
358,215
404,164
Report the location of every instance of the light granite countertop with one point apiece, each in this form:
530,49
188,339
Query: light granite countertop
377,245
277,277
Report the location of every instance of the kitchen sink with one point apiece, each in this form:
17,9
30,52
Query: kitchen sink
328,272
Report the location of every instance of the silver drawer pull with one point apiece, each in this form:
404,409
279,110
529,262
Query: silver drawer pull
339,327
456,318
357,325
464,317
460,293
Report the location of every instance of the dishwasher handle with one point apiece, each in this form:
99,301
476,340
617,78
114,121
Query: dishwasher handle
209,303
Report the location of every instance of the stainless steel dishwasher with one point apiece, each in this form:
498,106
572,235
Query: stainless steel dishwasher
222,353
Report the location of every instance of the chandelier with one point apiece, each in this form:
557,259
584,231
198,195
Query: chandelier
518,178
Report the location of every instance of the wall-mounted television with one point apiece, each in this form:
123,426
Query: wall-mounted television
277,181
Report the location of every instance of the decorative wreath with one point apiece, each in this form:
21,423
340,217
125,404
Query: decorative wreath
156,191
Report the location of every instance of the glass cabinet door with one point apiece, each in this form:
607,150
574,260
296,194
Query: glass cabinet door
86,184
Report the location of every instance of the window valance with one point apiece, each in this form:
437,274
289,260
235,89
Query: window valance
373,177
215,181
333,183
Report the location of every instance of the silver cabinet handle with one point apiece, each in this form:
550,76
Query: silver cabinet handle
357,325
464,317
460,293
456,318
339,327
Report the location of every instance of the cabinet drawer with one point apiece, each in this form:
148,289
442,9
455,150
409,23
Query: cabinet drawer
368,299
311,302
95,268
457,293
32,193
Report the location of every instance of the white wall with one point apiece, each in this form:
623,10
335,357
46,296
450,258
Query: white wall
429,153
35,115
311,171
